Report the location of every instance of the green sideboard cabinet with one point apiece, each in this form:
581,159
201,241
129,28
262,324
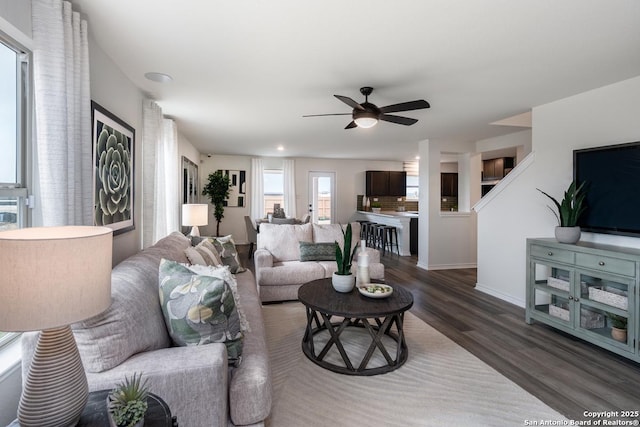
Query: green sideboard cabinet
581,289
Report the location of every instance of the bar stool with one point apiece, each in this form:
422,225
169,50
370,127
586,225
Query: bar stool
363,228
370,235
391,238
378,237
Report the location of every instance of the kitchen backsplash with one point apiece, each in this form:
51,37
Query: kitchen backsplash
389,203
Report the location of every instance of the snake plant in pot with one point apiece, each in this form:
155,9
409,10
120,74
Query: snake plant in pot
343,280
568,213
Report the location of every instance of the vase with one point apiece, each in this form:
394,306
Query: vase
619,334
569,235
376,210
343,283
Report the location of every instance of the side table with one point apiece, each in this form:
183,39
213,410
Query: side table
95,412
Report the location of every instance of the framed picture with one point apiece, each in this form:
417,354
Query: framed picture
237,190
113,144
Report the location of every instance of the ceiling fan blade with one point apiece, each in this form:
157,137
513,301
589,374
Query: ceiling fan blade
321,115
351,125
397,119
405,106
350,102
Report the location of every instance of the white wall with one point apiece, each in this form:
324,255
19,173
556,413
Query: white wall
447,239
603,116
115,92
522,140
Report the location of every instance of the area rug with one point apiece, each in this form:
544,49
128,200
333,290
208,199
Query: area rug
441,384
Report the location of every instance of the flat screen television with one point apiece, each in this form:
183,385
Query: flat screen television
612,176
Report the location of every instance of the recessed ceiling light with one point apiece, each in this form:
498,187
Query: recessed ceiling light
280,148
158,77
417,157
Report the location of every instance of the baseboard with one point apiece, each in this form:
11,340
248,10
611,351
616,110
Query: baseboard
508,298
445,266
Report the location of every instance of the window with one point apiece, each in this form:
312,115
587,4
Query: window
413,178
14,122
273,190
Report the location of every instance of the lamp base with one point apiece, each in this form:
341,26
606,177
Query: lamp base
195,231
55,391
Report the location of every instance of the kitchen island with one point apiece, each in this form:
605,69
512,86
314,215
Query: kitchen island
403,223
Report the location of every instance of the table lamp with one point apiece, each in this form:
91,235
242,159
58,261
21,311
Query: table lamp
52,277
195,214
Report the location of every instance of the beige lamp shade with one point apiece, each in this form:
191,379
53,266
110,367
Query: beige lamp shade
53,276
195,214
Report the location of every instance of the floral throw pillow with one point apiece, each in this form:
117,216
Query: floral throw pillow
199,309
226,248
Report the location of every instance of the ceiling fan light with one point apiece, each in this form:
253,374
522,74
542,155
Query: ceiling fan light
366,119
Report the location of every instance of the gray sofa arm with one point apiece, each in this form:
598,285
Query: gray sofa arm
191,380
261,258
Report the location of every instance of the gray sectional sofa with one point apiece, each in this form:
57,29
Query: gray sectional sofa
278,266
197,383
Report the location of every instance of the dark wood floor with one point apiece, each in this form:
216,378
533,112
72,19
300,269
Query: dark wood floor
568,374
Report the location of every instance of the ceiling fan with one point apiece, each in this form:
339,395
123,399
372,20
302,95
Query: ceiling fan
366,115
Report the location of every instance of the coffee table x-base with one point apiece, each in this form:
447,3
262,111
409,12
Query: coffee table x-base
377,316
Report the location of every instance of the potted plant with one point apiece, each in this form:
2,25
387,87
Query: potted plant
343,280
217,189
376,207
618,327
127,403
568,212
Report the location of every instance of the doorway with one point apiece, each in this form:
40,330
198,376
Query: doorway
322,202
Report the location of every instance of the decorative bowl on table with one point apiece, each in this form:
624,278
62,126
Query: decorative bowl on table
375,290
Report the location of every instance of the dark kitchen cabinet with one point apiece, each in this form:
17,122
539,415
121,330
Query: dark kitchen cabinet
397,183
386,183
377,183
449,184
493,169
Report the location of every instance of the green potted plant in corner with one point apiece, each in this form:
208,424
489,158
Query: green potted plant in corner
376,207
568,212
343,280
217,189
127,403
618,327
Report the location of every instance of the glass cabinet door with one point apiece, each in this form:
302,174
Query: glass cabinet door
605,303
551,296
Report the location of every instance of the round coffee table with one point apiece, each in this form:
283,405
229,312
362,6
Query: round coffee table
323,303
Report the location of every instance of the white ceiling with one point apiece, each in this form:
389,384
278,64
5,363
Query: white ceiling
246,71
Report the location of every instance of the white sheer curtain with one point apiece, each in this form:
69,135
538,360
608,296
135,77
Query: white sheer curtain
257,188
161,175
62,104
168,182
289,178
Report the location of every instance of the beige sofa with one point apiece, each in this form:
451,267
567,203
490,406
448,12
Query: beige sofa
279,271
199,386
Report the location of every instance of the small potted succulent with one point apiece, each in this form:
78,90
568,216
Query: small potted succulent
127,403
376,207
569,211
343,280
618,327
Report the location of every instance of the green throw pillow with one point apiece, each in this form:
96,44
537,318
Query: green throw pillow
317,251
226,248
199,309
